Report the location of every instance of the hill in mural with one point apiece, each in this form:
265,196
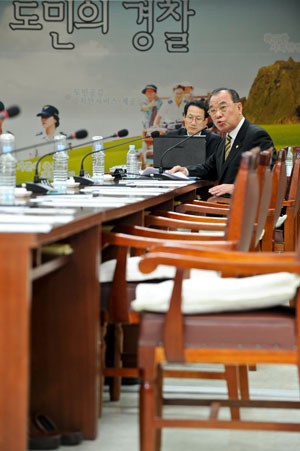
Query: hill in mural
274,97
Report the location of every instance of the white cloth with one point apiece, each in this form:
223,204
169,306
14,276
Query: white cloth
200,295
133,274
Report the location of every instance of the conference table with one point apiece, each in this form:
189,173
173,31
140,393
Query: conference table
49,306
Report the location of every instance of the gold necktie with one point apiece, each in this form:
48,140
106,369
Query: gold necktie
227,146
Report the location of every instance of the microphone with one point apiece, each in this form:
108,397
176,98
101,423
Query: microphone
80,134
38,185
210,124
87,180
10,112
121,133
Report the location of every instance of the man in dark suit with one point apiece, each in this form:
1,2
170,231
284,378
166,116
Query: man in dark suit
225,109
195,116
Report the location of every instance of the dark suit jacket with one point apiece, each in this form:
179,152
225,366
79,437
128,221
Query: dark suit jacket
212,139
215,168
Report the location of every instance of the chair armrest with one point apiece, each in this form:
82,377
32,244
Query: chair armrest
203,209
209,203
165,234
175,224
242,263
187,217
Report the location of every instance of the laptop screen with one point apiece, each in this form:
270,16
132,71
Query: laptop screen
190,152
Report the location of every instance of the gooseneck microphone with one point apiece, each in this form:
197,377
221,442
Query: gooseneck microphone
209,125
10,112
37,185
80,134
120,134
86,180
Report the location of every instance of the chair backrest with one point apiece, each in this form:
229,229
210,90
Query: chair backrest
244,202
294,183
279,184
264,177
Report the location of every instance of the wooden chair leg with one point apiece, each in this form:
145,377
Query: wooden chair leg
232,387
243,381
158,405
115,385
103,330
147,402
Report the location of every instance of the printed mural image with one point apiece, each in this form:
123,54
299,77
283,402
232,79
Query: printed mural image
93,60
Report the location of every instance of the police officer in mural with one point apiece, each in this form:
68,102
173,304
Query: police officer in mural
50,122
171,112
150,105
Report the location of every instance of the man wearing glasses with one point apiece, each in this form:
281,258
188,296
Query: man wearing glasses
195,119
225,109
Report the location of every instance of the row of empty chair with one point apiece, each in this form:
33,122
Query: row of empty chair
248,223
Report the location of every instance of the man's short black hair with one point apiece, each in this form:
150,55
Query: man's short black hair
199,104
234,95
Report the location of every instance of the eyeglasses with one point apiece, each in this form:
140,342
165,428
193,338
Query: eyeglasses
223,108
190,118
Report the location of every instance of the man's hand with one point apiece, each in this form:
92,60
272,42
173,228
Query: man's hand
220,190
178,169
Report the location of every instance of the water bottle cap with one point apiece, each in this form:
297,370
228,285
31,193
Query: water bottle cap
131,147
98,143
7,141
60,143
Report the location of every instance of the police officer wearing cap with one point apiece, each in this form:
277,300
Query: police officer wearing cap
172,109
50,121
150,106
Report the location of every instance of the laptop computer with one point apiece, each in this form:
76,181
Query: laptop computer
190,152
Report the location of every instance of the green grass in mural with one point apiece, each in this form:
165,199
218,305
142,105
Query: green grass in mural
284,134
113,157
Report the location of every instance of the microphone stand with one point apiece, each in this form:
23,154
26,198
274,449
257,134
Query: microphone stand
87,180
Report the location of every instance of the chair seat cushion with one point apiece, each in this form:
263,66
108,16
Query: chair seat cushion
280,221
258,329
133,274
203,295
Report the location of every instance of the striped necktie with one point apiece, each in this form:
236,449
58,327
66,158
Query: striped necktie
227,146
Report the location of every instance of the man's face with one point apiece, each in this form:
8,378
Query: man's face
194,119
225,114
150,94
178,93
47,121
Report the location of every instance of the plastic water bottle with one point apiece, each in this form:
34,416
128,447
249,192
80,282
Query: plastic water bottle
98,159
131,163
289,161
60,166
7,169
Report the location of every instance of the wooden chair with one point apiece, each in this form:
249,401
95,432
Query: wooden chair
114,294
286,240
250,337
211,224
